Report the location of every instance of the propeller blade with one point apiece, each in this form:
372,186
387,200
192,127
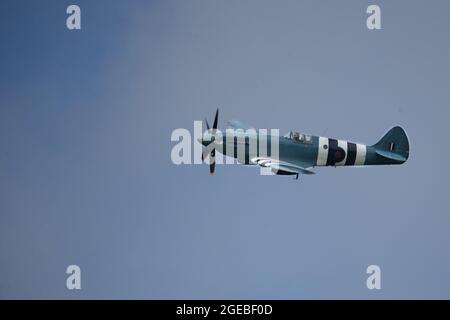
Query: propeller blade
216,118
205,154
212,162
212,154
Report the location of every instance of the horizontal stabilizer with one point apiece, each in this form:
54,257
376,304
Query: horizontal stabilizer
391,155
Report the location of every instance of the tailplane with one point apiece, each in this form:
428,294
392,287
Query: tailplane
393,145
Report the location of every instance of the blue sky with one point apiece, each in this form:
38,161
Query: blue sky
85,170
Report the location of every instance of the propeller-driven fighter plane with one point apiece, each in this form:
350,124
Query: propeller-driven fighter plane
298,153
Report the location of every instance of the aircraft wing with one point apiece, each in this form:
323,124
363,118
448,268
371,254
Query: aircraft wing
281,167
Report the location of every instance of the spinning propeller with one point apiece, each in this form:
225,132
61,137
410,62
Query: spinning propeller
211,153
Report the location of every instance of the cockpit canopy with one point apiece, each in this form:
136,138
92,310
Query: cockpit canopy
299,137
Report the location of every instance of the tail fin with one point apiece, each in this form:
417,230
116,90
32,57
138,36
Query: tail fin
393,144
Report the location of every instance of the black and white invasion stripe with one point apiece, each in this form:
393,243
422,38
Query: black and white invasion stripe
354,154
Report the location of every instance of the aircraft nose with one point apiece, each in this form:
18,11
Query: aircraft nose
203,142
206,139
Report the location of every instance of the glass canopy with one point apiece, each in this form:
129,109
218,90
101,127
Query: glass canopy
298,137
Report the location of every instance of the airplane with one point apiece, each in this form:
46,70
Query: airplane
298,153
